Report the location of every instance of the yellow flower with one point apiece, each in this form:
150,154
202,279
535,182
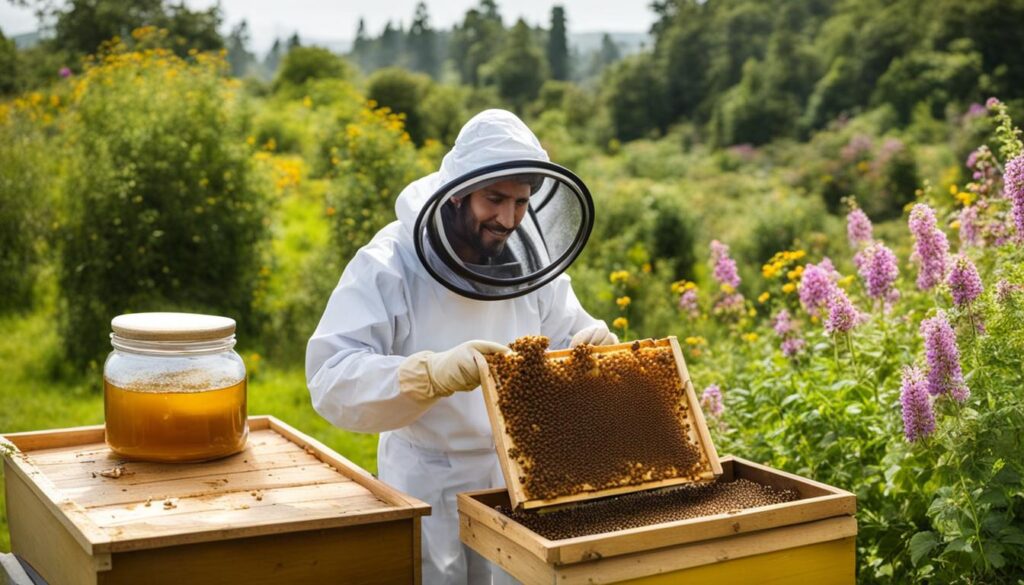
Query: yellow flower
845,281
953,189
750,337
764,297
646,268
696,340
619,276
307,102
727,288
752,312
769,270
330,211
788,288
623,302
620,323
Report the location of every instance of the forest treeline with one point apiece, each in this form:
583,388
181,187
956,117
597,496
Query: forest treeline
741,71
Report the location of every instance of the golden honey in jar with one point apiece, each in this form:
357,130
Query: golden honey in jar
173,388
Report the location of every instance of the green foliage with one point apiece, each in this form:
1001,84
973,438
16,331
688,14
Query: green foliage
519,69
164,208
403,92
26,195
8,65
476,41
635,97
755,111
558,46
303,64
376,160
934,78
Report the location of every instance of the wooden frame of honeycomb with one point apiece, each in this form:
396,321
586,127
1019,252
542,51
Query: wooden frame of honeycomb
620,369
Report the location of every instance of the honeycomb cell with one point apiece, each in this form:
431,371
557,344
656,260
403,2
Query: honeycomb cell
594,420
649,508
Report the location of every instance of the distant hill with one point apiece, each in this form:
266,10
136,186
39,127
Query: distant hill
628,43
27,40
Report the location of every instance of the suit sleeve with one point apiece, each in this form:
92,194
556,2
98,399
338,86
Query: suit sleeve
562,316
351,372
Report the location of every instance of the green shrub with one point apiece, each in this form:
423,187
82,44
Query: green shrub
26,202
165,209
303,64
403,91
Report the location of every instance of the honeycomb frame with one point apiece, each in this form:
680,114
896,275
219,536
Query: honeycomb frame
692,420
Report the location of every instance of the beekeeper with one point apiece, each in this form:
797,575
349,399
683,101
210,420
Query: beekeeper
475,260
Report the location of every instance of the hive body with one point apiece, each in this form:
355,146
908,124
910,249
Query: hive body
285,510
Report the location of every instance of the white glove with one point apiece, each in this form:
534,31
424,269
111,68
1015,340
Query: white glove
594,335
429,374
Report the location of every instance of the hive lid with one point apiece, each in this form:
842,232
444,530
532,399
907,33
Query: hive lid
282,482
574,425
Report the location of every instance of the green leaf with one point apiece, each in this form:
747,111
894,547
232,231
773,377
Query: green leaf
921,544
958,545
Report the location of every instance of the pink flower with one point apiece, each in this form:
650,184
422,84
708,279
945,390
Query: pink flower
688,303
711,400
918,416
1013,189
816,286
964,282
725,267
843,316
858,228
879,269
943,355
931,247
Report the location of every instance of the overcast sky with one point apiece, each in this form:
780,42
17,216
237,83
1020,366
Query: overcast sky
335,21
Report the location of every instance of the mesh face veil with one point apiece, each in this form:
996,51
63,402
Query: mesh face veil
504,230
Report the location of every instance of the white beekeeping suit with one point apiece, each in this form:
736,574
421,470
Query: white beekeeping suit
389,305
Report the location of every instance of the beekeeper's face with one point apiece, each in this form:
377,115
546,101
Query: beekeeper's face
485,218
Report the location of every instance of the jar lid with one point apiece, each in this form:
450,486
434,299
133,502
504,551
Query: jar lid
172,327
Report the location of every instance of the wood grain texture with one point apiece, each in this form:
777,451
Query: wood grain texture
818,502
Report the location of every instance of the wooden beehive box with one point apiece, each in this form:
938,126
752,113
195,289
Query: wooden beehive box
809,540
690,420
287,509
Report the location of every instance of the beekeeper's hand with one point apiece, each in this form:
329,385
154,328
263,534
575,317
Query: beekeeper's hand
429,374
594,335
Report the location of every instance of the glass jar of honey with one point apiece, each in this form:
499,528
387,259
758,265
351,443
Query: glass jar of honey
173,388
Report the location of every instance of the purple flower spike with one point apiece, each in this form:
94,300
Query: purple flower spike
944,373
843,316
725,267
816,286
858,228
793,346
918,416
1013,188
782,323
964,282
931,248
711,400
879,269
688,303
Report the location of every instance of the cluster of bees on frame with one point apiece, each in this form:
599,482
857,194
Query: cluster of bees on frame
594,420
648,508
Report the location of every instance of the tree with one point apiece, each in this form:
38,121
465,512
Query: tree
8,65
273,58
304,63
558,47
519,70
634,93
294,41
403,91
477,41
239,58
423,43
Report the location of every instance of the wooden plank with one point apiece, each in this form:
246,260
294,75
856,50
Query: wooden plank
282,519
207,485
184,508
513,472
780,479
417,550
265,441
507,554
831,503
139,473
510,467
67,512
666,560
39,538
472,506
351,470
55,438
825,563
374,554
700,425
